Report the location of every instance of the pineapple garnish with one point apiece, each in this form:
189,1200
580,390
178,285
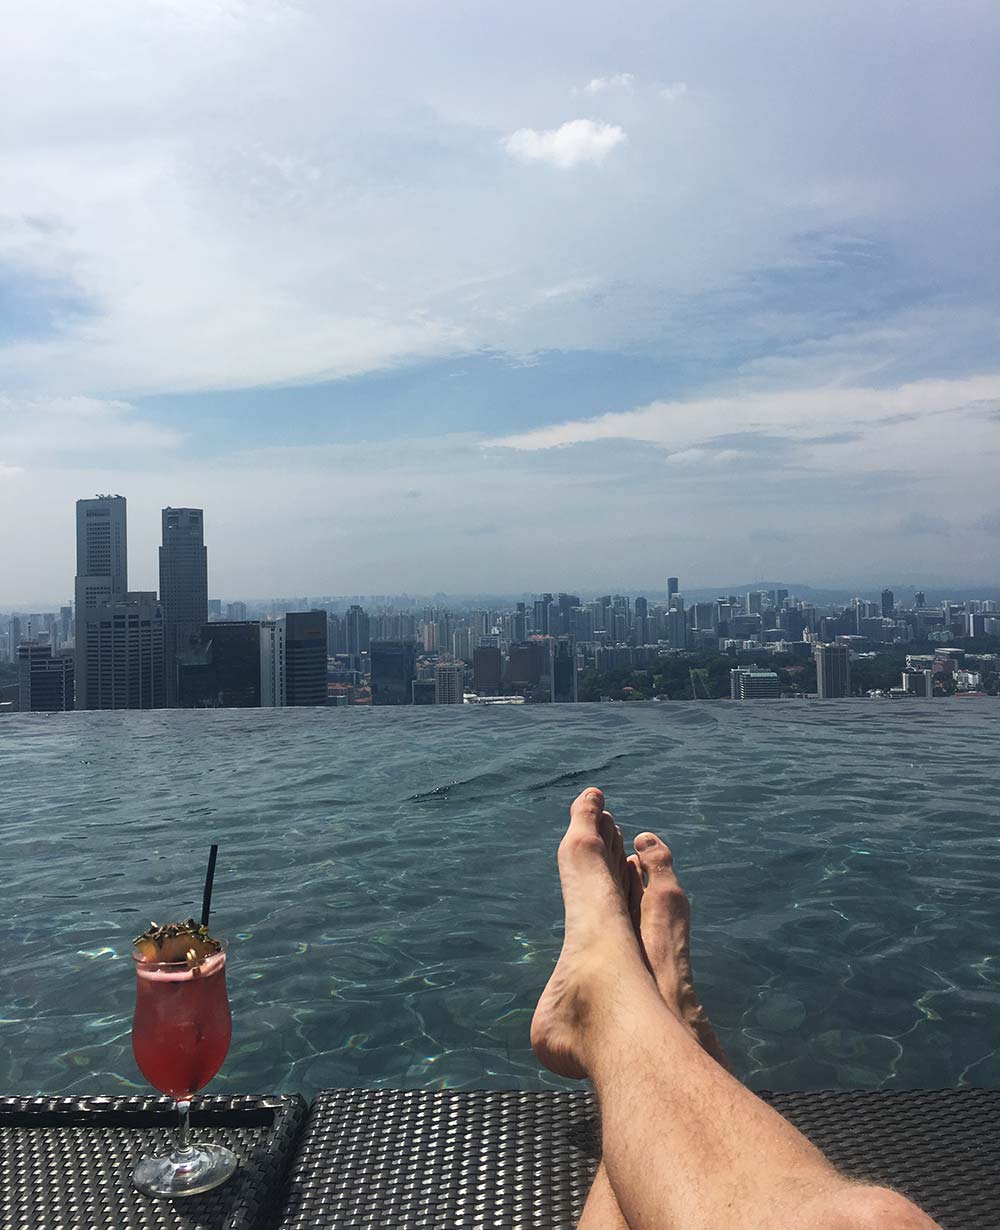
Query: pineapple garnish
176,942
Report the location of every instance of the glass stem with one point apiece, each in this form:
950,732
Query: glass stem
184,1126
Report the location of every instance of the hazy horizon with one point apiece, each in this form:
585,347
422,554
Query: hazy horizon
470,300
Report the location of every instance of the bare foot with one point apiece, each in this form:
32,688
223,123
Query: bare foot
662,913
600,949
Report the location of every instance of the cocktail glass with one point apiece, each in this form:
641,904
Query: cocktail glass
180,1035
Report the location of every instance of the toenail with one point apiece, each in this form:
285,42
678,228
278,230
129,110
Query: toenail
645,841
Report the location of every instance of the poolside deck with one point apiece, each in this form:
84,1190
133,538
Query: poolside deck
363,1159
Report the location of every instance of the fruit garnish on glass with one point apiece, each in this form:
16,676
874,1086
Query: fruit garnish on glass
180,1035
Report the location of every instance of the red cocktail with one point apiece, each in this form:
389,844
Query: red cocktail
182,1028
180,1035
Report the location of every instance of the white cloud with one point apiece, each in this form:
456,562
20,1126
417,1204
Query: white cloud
568,145
675,90
619,81
34,428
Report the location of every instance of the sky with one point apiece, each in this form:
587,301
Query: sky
503,297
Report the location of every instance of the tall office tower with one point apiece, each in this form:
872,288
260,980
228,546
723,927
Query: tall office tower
119,649
780,597
519,624
358,634
540,621
919,599
336,634
305,658
833,670
792,623
677,628
975,624
673,587
101,577
449,683
430,636
527,663
564,671
567,605
215,608
461,643
706,616
888,603
65,625
486,670
751,683
46,680
183,586
394,668
222,668
754,602
14,637
236,611
641,622
273,691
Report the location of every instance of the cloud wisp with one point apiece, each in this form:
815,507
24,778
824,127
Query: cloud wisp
569,145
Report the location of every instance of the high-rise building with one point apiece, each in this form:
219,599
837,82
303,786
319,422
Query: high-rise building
394,668
449,680
45,680
564,684
677,627
919,599
273,693
119,654
673,587
888,603
486,670
358,635
519,624
527,666
833,670
101,579
751,683
222,669
305,657
183,586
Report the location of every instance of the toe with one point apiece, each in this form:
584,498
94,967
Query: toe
656,861
586,812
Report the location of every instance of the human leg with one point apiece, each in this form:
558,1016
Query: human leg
685,1145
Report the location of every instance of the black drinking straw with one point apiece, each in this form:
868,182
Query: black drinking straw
206,901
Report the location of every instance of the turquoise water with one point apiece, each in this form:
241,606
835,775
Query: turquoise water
387,881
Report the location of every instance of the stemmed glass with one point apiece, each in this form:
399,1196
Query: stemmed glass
180,1035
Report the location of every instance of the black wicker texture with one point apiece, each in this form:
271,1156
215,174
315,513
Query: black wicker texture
940,1147
65,1163
448,1160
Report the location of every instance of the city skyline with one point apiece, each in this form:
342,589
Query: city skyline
524,303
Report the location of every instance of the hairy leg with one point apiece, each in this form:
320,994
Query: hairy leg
685,1145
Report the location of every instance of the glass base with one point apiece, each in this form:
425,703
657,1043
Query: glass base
184,1173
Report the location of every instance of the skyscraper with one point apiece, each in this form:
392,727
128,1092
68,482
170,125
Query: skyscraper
449,678
888,603
677,627
673,587
305,658
833,670
120,644
358,634
119,635
222,668
394,667
183,586
564,688
45,680
486,670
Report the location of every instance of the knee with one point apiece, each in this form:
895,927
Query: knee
873,1208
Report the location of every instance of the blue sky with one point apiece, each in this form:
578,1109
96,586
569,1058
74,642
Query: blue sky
449,297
